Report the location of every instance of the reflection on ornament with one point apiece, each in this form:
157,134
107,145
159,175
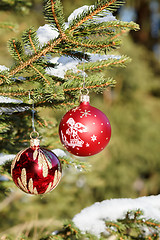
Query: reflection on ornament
36,170
84,130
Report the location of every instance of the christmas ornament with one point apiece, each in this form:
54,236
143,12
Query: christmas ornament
36,170
84,130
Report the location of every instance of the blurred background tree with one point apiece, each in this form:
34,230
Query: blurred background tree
130,166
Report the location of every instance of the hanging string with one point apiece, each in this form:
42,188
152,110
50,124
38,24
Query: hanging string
84,77
33,112
84,90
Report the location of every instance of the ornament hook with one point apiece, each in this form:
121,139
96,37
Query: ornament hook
34,137
84,91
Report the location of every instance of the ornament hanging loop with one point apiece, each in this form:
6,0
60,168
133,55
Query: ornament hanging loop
84,91
34,135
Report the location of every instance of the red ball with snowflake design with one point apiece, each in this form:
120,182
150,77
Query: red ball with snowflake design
85,130
36,170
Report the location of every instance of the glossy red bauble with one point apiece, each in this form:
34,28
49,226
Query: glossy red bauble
85,130
36,170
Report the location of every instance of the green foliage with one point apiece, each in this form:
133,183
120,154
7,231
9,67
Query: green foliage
96,10
16,49
115,170
133,226
53,12
15,5
8,26
31,60
19,6
30,40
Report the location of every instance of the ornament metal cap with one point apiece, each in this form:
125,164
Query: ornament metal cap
34,142
84,98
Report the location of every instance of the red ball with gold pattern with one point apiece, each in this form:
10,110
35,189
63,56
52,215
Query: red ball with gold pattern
36,170
85,130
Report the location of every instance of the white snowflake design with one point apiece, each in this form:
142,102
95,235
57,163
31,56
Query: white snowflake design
85,113
94,138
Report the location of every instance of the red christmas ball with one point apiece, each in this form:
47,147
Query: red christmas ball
36,170
84,130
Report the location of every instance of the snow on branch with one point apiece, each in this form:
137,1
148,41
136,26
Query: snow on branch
105,14
47,32
92,219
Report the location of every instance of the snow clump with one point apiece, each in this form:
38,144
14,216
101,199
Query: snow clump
92,219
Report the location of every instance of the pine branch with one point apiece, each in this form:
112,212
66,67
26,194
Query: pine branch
133,226
129,228
29,74
111,62
69,231
90,46
104,85
98,8
29,61
109,28
8,26
53,12
64,42
39,71
30,40
16,50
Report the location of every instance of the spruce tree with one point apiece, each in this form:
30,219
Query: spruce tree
28,81
79,39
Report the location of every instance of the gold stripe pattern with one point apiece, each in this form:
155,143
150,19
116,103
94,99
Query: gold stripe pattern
35,191
30,185
23,181
49,188
21,185
49,157
35,154
57,178
24,177
42,162
16,159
